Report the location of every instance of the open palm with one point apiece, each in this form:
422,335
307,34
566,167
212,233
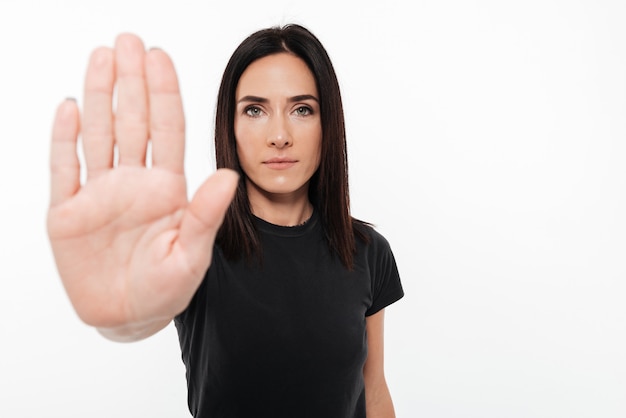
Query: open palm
129,246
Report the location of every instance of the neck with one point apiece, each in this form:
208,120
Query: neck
281,215
284,210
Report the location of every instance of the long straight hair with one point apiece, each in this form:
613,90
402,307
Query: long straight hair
328,187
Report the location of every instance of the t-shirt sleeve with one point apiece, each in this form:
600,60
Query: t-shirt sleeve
386,284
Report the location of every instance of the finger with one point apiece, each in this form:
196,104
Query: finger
97,129
167,120
131,116
204,216
64,165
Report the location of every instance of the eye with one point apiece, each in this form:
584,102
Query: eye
303,111
253,111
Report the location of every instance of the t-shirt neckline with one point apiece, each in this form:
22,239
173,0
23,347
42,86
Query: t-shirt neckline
287,231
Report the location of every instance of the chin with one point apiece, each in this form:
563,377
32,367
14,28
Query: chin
284,187
279,185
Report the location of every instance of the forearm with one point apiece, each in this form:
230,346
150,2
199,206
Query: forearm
133,332
378,401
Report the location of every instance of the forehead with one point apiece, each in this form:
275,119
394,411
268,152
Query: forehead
281,73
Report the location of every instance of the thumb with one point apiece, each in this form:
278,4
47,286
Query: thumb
203,217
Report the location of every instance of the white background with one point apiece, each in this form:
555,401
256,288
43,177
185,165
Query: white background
487,140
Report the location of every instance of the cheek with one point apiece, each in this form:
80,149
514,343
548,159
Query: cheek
250,136
244,132
317,150
318,155
240,148
245,141
243,152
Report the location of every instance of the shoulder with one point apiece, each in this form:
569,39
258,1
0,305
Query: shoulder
374,254
372,247
367,234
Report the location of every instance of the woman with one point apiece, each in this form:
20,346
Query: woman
288,319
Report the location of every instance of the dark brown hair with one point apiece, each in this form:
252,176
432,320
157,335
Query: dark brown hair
328,188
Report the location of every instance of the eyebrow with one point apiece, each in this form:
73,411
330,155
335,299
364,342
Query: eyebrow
297,98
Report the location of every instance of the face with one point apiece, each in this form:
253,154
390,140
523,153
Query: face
278,127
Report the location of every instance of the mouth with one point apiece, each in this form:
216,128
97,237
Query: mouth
280,163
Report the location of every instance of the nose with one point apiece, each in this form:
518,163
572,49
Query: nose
278,134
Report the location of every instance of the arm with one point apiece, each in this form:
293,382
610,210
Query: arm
377,396
129,246
134,331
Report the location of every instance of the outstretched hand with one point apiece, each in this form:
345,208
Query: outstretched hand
129,246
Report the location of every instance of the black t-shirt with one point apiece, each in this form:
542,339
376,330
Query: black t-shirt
285,338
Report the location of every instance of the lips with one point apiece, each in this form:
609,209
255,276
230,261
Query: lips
280,163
